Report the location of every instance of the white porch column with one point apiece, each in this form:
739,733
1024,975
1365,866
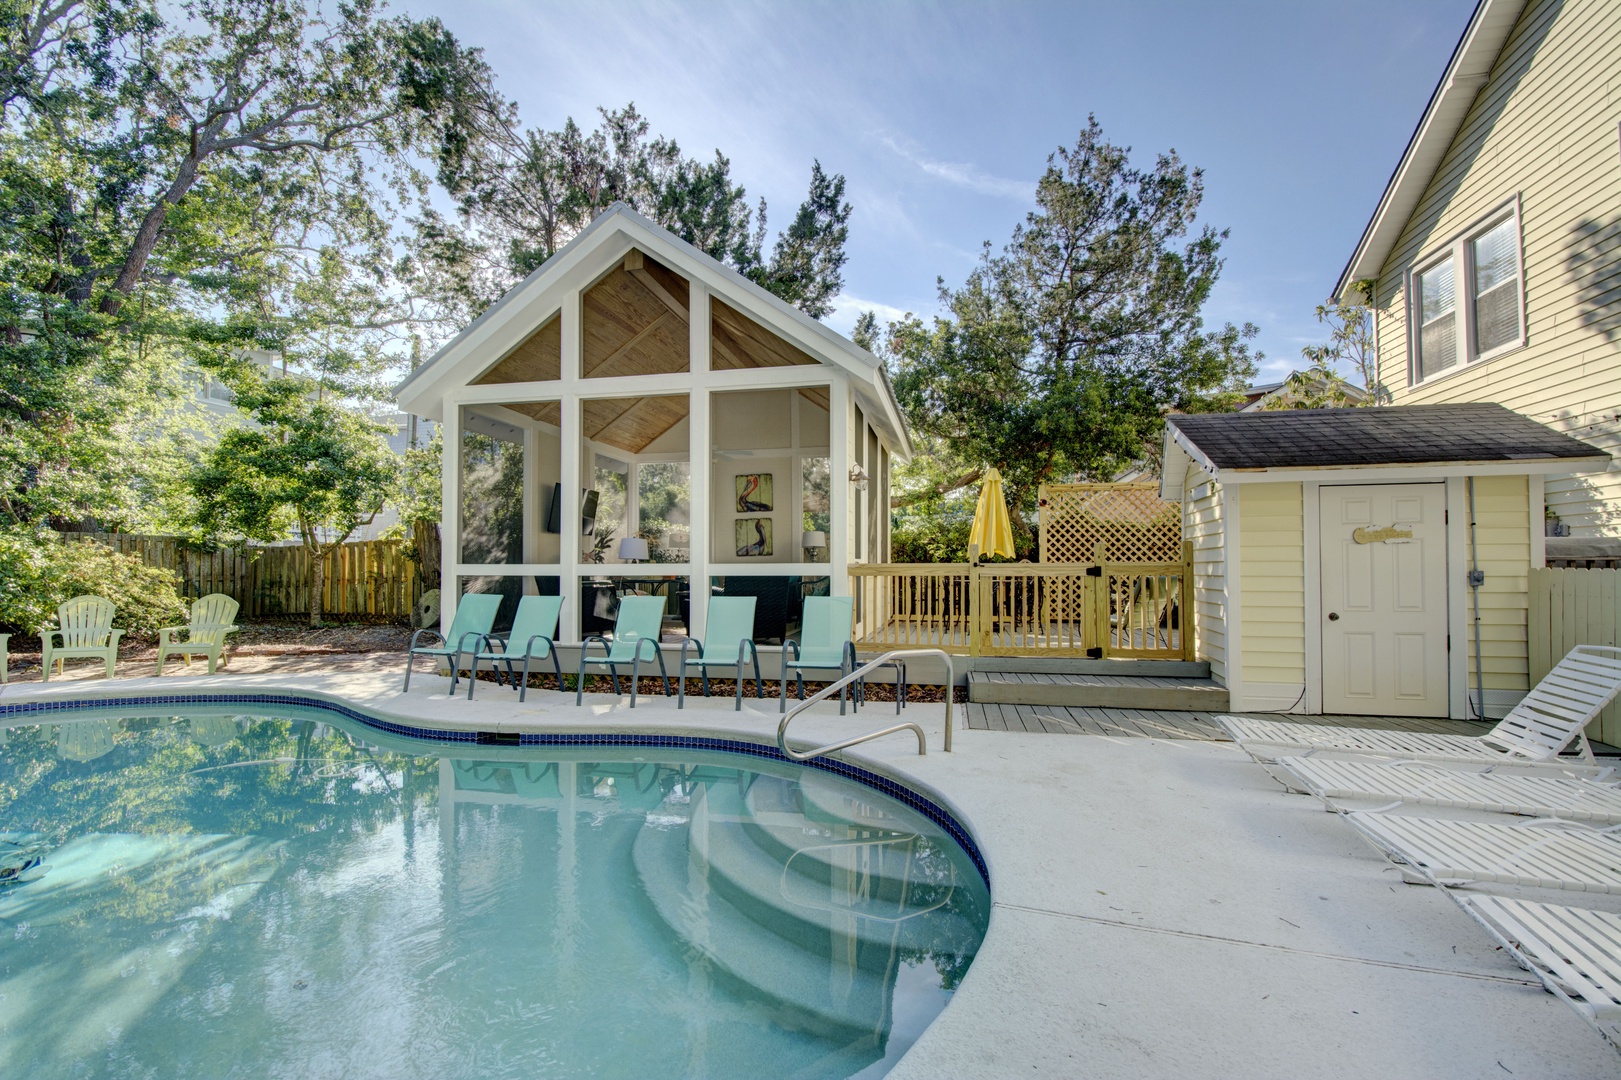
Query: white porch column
532,507
838,496
569,468
700,458
450,518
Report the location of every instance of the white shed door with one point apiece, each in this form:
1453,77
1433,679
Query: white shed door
1384,599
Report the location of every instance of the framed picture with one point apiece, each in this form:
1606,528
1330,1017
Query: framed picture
754,493
753,536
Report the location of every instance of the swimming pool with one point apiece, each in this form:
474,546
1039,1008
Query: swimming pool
276,891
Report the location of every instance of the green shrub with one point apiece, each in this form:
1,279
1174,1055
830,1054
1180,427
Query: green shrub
920,539
38,571
929,540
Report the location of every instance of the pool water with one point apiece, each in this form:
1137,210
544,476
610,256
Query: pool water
220,895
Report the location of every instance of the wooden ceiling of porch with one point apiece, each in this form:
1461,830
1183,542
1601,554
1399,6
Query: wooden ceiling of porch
636,322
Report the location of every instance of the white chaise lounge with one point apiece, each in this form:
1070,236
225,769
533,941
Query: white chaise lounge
1575,952
1540,854
1539,728
1499,791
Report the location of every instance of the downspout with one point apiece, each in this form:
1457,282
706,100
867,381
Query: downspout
1477,578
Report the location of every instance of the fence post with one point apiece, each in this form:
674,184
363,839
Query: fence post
1102,590
974,622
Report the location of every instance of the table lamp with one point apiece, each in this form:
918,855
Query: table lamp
632,549
811,541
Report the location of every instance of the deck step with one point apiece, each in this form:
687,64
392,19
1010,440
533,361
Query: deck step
1079,665
1107,691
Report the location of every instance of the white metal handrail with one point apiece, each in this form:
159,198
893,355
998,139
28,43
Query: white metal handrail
832,688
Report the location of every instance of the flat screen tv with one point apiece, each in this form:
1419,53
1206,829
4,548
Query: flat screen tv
554,510
588,512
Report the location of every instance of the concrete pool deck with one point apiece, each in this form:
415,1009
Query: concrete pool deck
1161,907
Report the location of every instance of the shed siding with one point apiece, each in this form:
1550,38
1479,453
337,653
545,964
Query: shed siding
1503,548
1202,522
1273,579
1543,128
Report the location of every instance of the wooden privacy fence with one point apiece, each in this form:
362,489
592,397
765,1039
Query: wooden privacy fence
1097,609
1569,608
370,577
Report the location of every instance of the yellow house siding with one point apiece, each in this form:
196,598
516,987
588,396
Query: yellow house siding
1503,550
1273,579
1544,130
1202,525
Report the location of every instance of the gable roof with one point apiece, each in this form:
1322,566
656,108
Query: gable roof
1463,432
423,390
1465,76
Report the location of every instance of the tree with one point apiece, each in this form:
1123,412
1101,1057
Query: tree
524,194
1350,345
307,466
1060,356
169,179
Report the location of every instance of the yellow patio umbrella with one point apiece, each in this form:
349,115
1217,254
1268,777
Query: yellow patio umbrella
992,531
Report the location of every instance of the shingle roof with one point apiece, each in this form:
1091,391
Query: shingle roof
1394,435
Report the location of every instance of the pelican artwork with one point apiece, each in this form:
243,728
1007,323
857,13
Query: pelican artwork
754,495
753,537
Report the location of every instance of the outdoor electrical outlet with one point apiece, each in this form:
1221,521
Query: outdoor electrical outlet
1477,578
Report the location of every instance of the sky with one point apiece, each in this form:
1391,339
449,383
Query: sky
941,116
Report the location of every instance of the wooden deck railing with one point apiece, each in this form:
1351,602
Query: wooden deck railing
912,604
1101,609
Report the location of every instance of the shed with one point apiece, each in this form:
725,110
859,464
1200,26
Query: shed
1334,548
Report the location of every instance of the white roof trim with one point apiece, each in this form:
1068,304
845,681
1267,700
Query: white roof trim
773,312
1402,472
1466,74
1178,452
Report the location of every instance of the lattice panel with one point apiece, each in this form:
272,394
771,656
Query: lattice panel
1131,520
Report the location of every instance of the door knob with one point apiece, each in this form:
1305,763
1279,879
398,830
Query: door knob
1333,616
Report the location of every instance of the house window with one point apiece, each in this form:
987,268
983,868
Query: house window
1466,300
1438,319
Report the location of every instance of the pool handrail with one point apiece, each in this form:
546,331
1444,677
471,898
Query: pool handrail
835,687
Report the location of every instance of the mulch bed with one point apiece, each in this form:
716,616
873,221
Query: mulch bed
653,686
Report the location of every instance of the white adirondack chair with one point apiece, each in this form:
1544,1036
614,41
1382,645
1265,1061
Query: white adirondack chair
1547,720
84,632
211,619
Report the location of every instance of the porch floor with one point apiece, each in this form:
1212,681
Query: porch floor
1197,726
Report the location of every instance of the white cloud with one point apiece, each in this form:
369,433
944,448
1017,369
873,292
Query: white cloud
847,308
966,176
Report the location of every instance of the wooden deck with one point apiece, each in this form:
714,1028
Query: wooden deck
1077,690
1164,724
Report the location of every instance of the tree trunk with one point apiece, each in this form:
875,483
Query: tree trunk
317,582
146,236
425,535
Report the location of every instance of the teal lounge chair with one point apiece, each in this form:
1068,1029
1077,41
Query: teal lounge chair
475,615
533,629
729,630
824,644
636,631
